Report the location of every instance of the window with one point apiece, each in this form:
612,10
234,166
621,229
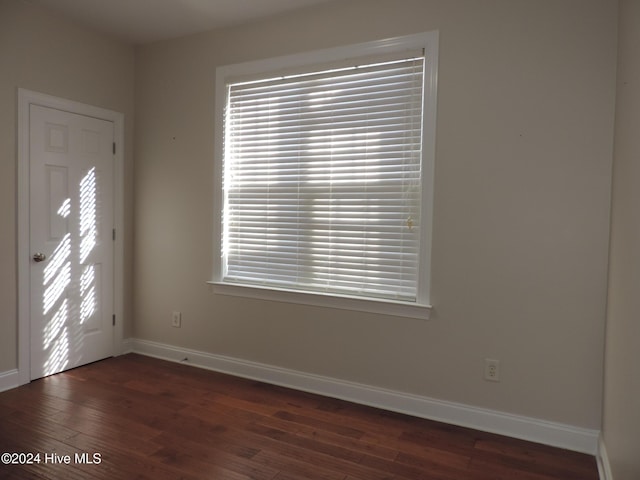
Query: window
324,171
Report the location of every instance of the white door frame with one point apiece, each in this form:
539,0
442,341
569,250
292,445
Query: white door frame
25,99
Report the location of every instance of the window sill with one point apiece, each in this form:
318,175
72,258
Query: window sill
384,307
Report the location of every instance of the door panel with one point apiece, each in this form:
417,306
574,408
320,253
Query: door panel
71,220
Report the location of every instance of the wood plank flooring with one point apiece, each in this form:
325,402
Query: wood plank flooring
156,420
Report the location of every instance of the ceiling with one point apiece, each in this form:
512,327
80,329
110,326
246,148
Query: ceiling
145,21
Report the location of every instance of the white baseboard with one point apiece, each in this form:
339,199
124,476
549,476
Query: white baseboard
9,380
525,428
126,346
604,467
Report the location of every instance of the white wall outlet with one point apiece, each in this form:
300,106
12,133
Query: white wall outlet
176,319
492,370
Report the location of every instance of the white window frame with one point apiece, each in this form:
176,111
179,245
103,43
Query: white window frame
421,307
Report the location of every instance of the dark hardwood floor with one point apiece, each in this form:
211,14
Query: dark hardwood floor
156,420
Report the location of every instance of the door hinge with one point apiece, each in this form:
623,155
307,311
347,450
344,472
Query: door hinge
114,319
114,148
113,234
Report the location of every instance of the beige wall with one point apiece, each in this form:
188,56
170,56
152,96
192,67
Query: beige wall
523,173
621,423
41,52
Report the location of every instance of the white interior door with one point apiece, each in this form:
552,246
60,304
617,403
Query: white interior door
71,221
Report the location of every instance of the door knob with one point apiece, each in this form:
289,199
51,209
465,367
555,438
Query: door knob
39,257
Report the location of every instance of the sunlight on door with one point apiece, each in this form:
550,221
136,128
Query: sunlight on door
88,239
58,301
88,222
57,277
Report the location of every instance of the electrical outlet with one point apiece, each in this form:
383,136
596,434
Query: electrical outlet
492,370
176,319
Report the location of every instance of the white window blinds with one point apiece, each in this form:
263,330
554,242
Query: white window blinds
322,181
